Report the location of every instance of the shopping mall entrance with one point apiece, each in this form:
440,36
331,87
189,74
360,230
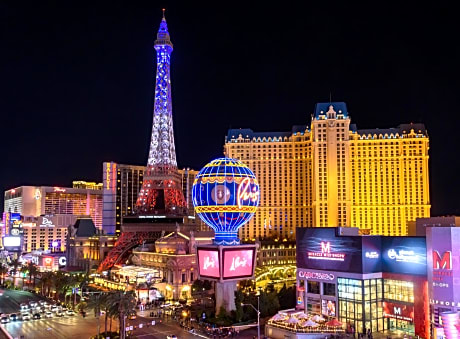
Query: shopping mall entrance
401,325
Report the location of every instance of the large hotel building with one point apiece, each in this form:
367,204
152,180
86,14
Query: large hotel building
333,174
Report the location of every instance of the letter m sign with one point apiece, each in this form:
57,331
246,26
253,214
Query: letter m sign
325,247
444,262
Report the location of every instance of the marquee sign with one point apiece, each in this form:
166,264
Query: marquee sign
326,253
316,275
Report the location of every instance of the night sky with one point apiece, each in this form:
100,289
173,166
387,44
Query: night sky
77,80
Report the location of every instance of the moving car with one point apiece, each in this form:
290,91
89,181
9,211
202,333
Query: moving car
54,308
4,319
59,314
171,337
48,314
70,312
14,317
132,316
32,304
25,316
24,306
37,316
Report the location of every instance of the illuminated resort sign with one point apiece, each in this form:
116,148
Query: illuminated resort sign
225,196
316,275
326,253
408,256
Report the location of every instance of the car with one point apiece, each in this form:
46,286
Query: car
59,314
41,302
54,308
48,314
132,316
37,316
171,337
4,319
32,304
14,317
1,292
70,312
64,309
38,309
25,316
24,306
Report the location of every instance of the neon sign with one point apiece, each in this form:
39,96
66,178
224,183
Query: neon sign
444,263
326,254
46,222
245,193
107,178
237,262
58,189
62,261
316,275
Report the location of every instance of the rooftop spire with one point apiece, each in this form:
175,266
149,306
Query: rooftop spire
163,34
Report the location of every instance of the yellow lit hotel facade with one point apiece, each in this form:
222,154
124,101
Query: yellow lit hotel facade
332,174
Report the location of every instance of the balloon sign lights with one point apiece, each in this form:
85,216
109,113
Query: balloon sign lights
226,195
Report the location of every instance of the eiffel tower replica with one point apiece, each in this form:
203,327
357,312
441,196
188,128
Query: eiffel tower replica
160,205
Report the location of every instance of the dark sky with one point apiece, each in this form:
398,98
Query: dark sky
77,80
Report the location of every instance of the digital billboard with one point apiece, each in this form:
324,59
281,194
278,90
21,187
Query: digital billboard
398,311
208,263
372,254
328,308
320,248
12,243
404,255
238,262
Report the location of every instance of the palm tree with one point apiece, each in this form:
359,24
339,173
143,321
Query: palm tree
97,302
62,283
3,272
15,264
33,271
124,303
24,272
47,280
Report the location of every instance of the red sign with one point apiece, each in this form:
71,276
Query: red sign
238,263
48,261
444,262
398,311
208,261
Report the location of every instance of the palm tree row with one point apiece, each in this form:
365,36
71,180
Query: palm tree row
116,304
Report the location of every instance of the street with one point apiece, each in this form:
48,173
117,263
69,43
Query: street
11,299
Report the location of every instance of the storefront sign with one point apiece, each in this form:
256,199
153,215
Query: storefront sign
398,311
62,261
326,253
316,275
47,222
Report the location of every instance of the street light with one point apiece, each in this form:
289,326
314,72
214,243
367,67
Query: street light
258,315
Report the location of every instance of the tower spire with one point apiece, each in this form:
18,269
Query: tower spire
161,188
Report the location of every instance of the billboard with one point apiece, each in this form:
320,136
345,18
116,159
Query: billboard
444,265
9,242
404,255
238,262
328,308
321,249
372,254
398,311
208,263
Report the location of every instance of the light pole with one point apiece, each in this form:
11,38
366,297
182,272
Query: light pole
258,315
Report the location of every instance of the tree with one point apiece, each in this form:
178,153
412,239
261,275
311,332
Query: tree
24,272
47,280
3,273
32,269
124,303
97,302
239,312
15,264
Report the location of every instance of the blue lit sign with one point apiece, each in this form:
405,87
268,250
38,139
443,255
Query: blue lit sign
405,255
225,196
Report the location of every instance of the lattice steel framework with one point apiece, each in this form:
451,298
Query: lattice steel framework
161,189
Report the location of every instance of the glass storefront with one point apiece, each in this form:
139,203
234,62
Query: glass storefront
401,294
360,304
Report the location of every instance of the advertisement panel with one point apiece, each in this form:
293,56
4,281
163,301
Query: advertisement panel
372,254
328,308
321,249
238,262
208,263
398,311
404,255
11,242
444,265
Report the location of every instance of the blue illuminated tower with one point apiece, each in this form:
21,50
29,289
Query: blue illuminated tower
161,189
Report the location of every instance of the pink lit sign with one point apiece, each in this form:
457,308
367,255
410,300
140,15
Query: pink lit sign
208,261
238,263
